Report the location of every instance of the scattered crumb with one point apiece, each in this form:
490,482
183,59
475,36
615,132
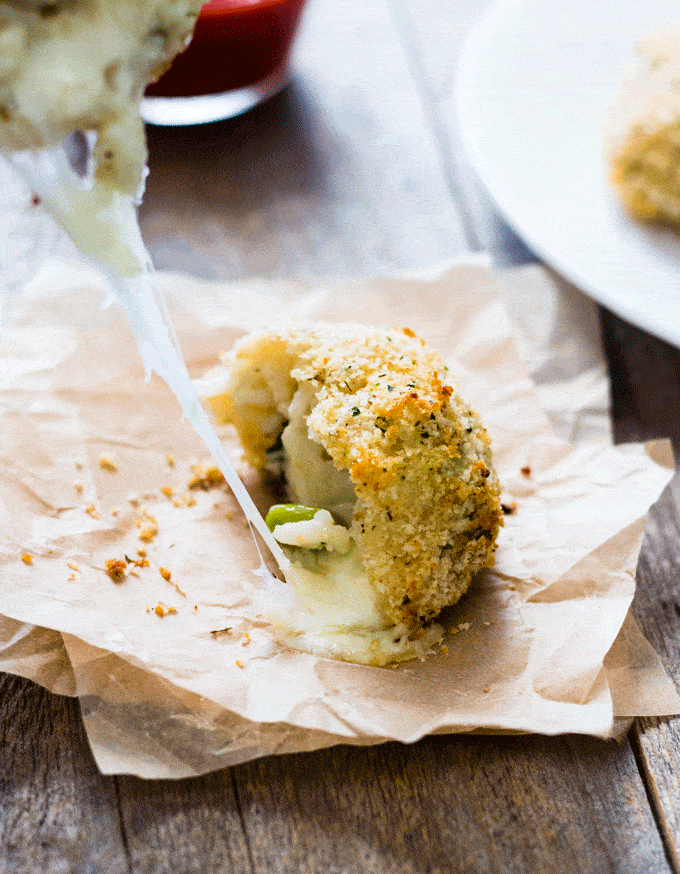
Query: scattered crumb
176,502
239,663
162,609
188,499
487,623
195,606
142,562
27,558
170,460
229,514
444,648
168,491
71,578
464,626
245,640
79,465
525,471
485,689
78,486
73,565
512,587
116,569
167,576
141,553
133,499
150,530
453,630
205,478
115,511
91,511
106,462
509,509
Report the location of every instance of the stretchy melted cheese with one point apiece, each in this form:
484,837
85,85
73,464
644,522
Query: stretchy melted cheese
361,423
83,65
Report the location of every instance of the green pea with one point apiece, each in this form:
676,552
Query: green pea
279,514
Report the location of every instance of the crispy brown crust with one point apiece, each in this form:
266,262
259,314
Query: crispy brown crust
428,508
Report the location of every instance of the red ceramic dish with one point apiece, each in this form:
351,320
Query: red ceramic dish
235,43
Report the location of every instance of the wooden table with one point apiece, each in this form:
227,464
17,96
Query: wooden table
356,170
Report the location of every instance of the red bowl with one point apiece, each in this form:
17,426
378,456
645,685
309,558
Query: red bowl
235,43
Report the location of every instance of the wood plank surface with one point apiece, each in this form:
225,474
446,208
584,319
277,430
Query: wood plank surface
57,813
338,176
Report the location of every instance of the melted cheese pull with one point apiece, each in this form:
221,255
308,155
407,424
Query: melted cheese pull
329,606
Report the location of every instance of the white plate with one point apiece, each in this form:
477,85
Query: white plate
535,80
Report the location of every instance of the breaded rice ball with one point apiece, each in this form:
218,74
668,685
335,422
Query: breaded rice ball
642,130
363,422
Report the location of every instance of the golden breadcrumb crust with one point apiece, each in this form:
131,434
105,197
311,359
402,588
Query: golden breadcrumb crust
428,509
643,130
646,172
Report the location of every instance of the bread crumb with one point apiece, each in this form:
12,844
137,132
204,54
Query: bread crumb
150,530
453,630
205,478
176,502
195,606
91,511
116,569
78,486
525,471
485,689
133,499
239,663
141,553
170,460
71,578
73,565
168,491
115,511
162,609
188,499
106,462
509,509
246,639
165,573
444,649
27,558
487,623
464,626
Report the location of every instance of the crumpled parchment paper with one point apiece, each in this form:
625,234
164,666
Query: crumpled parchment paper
541,643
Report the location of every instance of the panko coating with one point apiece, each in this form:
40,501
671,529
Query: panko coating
643,131
363,423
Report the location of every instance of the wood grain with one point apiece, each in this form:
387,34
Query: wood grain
451,804
57,813
185,827
338,176
657,609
